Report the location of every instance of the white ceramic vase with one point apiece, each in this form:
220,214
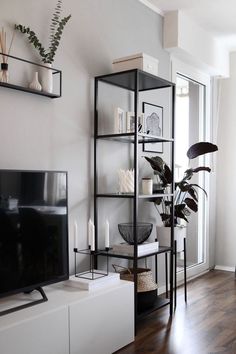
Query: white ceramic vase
35,84
163,236
47,78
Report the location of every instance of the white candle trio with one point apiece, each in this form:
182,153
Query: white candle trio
91,235
75,235
107,234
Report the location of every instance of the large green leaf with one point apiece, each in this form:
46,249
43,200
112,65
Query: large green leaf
200,148
197,185
165,217
180,211
189,172
191,204
156,201
161,169
156,162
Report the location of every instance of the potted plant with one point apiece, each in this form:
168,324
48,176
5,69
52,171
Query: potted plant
185,194
48,55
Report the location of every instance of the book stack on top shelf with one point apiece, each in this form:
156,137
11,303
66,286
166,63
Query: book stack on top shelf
143,248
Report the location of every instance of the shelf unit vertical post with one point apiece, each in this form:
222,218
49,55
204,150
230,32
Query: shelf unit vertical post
95,165
172,200
136,192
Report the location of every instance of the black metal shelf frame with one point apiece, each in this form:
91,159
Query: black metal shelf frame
111,253
137,80
130,138
28,90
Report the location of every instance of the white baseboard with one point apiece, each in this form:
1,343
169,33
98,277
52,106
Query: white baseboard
226,268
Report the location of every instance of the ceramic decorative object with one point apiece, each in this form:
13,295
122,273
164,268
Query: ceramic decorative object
47,79
35,84
126,181
147,185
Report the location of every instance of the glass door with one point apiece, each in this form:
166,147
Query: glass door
190,114
192,126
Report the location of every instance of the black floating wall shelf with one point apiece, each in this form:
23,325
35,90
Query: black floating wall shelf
26,89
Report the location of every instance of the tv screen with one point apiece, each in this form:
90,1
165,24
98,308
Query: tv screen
33,230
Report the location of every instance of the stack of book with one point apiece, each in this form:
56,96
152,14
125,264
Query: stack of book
143,248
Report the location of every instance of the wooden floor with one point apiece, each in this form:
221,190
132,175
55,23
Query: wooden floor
206,325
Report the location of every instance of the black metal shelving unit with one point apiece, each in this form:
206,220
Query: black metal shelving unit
137,81
27,89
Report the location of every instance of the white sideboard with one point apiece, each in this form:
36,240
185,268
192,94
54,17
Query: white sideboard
72,321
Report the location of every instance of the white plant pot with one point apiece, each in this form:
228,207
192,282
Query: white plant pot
163,236
47,79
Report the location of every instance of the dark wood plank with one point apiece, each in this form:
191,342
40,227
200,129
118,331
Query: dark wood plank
206,325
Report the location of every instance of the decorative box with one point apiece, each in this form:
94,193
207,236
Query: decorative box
140,61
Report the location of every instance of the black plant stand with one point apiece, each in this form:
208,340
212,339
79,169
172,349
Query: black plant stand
185,271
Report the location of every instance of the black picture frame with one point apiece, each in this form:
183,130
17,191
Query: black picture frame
153,120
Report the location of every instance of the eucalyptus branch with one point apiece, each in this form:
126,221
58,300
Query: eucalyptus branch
55,18
33,39
56,29
56,38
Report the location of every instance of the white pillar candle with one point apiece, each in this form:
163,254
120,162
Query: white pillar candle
147,186
92,237
107,234
75,235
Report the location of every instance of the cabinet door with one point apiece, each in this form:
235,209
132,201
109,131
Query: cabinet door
45,334
103,323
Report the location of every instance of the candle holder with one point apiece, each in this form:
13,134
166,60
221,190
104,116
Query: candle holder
91,274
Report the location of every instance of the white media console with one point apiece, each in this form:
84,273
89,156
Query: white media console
72,321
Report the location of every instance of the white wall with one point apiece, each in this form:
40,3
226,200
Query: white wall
189,42
226,173
39,133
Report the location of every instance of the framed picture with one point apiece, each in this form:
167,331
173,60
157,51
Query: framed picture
130,122
120,121
153,121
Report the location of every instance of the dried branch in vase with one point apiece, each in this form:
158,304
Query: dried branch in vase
4,53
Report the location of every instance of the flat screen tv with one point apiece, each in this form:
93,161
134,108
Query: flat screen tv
33,230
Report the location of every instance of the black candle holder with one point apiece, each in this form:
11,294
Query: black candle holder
91,274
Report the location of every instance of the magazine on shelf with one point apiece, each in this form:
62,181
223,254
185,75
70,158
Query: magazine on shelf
144,248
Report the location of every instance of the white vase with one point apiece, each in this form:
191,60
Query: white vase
163,236
47,78
35,84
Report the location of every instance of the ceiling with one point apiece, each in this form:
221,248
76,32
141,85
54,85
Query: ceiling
216,16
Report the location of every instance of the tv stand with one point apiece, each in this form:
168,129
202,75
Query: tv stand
72,321
31,303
